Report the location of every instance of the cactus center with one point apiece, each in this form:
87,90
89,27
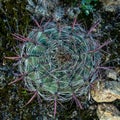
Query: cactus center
62,56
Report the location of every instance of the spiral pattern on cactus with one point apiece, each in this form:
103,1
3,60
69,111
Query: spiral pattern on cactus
58,61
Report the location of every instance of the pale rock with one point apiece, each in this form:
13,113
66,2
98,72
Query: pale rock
108,112
112,74
106,91
110,5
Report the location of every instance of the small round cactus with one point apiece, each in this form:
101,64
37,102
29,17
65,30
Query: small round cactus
58,62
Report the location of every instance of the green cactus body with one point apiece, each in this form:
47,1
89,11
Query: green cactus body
59,62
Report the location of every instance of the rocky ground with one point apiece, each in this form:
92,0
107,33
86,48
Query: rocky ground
104,102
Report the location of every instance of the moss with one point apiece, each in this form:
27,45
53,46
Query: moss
14,19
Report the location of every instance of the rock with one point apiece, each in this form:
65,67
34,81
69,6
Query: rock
106,91
74,114
108,112
112,74
73,12
2,80
51,8
41,7
110,5
58,13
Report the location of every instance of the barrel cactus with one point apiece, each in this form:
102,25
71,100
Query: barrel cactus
58,62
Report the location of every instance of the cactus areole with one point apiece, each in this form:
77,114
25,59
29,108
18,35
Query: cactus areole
59,63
